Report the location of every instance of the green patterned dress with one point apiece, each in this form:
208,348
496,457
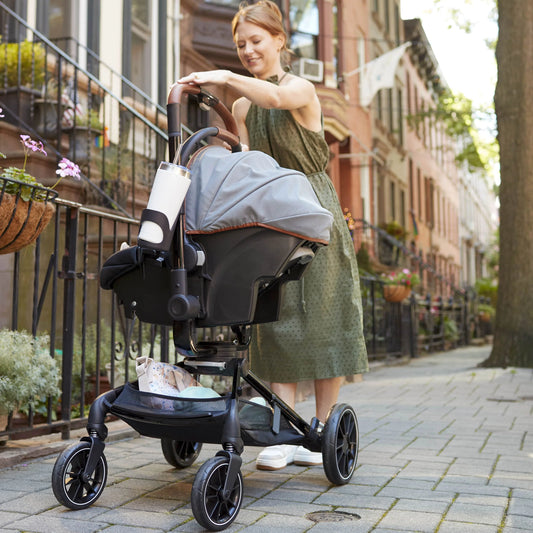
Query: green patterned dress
320,330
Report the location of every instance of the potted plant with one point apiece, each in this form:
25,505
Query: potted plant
27,371
398,285
388,251
48,110
26,207
486,312
22,72
85,128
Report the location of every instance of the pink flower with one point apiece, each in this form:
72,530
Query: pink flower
68,168
34,146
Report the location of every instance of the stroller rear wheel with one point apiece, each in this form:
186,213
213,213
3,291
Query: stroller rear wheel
210,508
68,485
180,454
340,444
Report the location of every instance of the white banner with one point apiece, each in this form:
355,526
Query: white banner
379,73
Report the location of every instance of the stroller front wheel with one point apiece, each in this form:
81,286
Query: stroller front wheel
340,444
180,454
210,508
69,487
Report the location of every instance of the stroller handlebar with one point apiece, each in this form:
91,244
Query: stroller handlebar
205,99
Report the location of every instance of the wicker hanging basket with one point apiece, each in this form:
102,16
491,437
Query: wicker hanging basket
396,293
22,221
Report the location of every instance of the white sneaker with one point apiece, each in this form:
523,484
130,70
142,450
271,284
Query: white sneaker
275,457
305,457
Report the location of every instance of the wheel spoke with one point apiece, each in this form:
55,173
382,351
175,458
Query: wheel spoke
75,492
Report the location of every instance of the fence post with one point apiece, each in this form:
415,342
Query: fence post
413,326
68,274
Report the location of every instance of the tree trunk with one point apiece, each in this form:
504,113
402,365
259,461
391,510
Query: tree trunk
513,333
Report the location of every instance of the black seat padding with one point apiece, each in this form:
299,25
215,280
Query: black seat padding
244,270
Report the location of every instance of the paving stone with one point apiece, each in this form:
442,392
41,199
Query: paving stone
44,524
521,506
410,521
448,526
519,521
477,514
132,517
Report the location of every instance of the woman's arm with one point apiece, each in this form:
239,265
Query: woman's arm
294,94
239,111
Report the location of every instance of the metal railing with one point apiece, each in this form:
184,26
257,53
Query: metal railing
116,140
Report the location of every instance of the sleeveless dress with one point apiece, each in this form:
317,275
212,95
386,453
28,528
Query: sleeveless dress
320,330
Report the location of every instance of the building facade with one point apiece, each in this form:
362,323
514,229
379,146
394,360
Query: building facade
384,166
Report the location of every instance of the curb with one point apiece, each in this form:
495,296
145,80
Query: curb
17,452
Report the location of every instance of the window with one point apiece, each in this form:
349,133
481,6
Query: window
419,191
402,209
234,3
62,25
304,21
397,24
393,200
337,70
390,110
399,114
411,186
141,41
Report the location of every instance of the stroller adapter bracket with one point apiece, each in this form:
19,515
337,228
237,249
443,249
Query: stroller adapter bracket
181,306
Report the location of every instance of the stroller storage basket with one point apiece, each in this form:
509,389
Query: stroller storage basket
156,415
199,419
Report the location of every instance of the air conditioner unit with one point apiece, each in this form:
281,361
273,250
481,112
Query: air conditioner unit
310,69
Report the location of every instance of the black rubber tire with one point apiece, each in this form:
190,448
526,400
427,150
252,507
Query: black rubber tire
208,507
67,485
340,444
180,454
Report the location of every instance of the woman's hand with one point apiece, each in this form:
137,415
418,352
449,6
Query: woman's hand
208,77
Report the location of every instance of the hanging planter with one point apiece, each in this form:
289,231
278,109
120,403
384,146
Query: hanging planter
396,293
25,211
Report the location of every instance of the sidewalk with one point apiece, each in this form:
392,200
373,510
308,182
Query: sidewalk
444,446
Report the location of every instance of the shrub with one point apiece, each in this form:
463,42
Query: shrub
27,371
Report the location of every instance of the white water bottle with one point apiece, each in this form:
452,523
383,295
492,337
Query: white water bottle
170,186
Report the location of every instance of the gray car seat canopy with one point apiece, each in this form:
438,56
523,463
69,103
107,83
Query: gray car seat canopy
234,190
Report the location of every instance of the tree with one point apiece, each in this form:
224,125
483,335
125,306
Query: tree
513,332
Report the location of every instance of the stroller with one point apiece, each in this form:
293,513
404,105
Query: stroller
221,259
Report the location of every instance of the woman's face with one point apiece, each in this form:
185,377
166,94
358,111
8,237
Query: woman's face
259,50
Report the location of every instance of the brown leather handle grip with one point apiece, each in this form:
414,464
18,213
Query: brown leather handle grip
179,89
232,139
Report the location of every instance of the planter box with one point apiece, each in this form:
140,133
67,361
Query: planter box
396,293
21,222
19,100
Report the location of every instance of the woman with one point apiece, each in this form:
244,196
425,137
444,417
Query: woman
319,335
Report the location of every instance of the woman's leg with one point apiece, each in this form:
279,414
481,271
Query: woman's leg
286,391
326,394
280,455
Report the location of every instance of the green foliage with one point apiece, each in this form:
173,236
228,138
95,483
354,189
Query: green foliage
487,288
451,332
394,229
29,57
27,372
456,112
486,309
363,260
401,277
20,174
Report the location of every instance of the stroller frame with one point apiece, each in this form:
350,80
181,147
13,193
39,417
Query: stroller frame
80,472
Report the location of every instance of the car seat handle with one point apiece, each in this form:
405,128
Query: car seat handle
204,99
